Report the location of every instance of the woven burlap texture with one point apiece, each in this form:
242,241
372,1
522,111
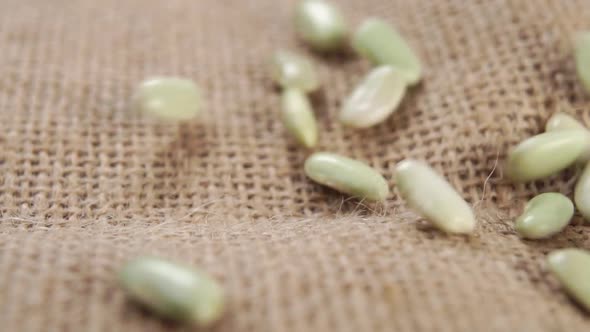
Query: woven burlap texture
86,184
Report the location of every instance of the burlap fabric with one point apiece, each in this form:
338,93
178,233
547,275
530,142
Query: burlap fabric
85,184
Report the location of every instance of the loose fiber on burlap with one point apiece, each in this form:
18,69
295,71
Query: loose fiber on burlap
85,184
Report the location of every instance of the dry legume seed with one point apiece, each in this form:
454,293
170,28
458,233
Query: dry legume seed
582,56
173,291
375,98
346,175
170,98
562,121
572,269
321,25
582,193
291,70
382,45
545,215
545,154
433,197
298,117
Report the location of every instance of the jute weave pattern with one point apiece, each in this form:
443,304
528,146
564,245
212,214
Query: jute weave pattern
85,184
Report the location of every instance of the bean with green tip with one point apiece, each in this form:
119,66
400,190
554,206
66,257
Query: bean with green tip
298,117
173,291
546,154
374,99
562,121
291,70
346,175
572,268
383,45
433,197
170,98
321,25
544,216
582,193
582,57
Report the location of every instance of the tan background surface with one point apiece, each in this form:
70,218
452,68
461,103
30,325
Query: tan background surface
85,184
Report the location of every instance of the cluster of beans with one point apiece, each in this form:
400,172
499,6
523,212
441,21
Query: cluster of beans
373,100
189,295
